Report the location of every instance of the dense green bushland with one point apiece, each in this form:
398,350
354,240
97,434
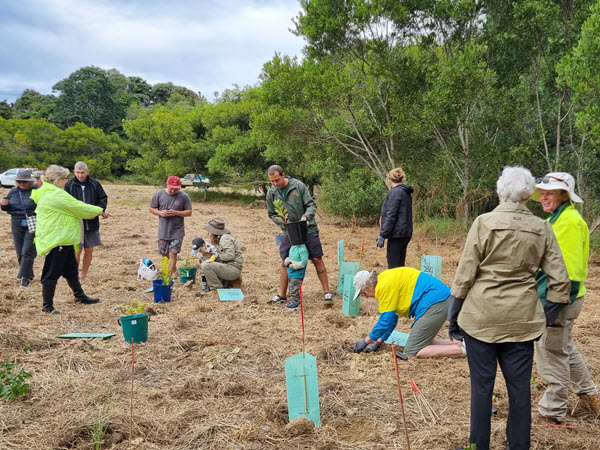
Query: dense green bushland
451,91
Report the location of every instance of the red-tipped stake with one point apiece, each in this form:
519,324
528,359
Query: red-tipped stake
131,397
400,395
362,250
303,352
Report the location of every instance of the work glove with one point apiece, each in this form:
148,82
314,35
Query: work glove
551,311
287,262
359,346
454,308
380,241
373,347
455,332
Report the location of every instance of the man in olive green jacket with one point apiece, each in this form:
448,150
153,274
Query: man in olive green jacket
300,205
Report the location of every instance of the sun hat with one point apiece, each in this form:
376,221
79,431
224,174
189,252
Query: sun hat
556,180
216,226
360,279
197,245
24,175
174,182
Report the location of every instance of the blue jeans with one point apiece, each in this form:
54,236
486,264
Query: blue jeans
24,247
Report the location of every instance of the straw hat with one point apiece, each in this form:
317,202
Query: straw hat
216,226
556,180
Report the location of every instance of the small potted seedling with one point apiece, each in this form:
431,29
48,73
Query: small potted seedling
135,323
188,271
297,231
163,285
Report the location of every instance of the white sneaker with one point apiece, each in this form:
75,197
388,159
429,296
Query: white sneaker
328,297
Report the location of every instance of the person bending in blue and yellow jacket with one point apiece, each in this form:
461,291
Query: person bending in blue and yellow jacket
407,292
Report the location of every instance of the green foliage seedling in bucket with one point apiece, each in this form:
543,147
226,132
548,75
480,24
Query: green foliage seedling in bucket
135,324
188,271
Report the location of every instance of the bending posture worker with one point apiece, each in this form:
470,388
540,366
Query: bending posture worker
407,292
300,205
559,362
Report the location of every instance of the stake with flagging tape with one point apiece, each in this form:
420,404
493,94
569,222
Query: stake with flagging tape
400,396
302,383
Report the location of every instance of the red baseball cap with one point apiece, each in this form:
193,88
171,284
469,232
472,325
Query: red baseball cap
174,182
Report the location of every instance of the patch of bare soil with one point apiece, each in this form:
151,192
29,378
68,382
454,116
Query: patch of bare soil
212,375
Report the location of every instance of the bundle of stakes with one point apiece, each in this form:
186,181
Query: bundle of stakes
423,404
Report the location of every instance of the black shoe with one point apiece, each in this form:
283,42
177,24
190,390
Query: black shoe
25,282
50,310
86,300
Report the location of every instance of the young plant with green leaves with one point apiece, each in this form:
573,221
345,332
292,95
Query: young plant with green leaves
12,383
281,210
164,271
135,307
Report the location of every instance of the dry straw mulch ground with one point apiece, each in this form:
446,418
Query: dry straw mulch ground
212,373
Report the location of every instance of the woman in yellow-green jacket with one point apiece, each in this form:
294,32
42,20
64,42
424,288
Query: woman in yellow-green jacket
57,233
558,360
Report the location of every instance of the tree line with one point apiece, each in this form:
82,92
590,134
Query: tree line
452,91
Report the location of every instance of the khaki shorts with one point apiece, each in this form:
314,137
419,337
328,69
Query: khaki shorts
426,328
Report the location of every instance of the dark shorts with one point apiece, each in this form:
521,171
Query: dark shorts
90,239
313,245
169,246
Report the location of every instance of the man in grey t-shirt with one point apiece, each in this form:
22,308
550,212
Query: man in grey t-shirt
171,206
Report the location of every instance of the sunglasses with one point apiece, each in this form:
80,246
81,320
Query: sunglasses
549,178
23,181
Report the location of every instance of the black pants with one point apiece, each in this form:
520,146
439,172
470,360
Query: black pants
396,251
60,261
516,360
24,247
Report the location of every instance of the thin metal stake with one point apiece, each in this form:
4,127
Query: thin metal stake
400,395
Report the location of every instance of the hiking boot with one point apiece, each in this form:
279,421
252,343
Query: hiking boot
25,282
277,299
593,401
540,419
292,305
328,297
50,310
80,296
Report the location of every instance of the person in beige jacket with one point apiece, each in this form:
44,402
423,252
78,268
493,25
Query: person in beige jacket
226,266
495,306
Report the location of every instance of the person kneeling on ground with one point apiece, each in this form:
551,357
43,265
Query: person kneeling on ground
226,265
296,268
407,292
58,233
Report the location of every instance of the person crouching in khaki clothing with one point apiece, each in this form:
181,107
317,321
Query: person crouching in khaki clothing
226,266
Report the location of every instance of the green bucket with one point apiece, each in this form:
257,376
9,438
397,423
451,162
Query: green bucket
136,327
188,273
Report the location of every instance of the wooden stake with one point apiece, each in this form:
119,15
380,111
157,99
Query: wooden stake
303,353
400,396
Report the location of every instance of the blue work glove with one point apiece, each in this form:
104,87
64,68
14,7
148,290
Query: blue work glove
380,241
373,347
455,332
359,346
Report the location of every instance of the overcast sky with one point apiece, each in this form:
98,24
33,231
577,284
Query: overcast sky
203,45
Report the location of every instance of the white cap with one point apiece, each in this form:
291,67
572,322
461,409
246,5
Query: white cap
360,279
556,180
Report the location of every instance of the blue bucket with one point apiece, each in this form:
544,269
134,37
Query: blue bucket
162,292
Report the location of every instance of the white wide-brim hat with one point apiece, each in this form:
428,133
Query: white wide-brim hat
556,180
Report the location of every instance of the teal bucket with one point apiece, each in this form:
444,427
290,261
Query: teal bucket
162,292
135,327
188,274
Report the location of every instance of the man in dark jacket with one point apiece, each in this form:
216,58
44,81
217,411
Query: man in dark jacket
396,219
90,191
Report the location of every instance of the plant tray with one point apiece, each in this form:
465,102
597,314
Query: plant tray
86,335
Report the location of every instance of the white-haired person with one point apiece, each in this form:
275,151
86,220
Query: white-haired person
58,234
558,361
495,305
407,292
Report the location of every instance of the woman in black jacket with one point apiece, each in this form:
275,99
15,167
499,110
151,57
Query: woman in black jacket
396,219
19,205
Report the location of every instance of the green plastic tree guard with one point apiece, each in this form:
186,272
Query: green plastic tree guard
350,307
397,338
302,388
346,268
340,252
432,265
226,295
